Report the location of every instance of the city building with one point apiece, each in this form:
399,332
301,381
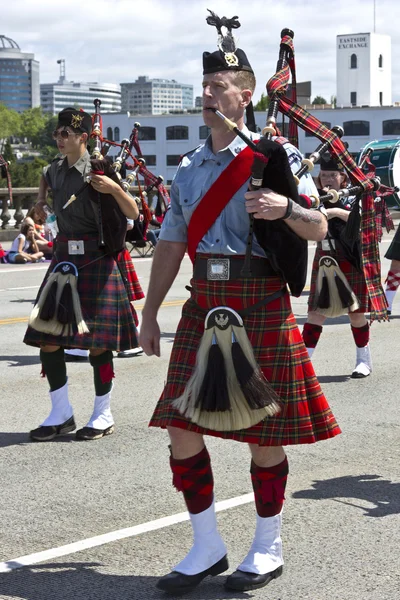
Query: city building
363,70
19,77
155,96
56,96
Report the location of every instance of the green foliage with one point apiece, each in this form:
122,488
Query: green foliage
44,137
7,153
37,127
319,100
32,122
263,103
9,122
27,174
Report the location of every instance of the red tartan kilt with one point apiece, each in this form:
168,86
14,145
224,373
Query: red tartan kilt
105,301
132,284
355,278
279,350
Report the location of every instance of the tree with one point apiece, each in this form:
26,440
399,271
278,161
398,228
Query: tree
333,101
8,154
32,122
9,123
319,100
263,103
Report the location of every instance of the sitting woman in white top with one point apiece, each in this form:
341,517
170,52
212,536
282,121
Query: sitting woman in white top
24,248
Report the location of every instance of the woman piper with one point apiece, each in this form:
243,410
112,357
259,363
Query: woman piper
85,300
320,305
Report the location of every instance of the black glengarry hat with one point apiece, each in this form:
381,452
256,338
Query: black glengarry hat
78,120
330,163
227,57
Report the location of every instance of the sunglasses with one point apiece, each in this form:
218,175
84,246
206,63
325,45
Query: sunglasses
64,134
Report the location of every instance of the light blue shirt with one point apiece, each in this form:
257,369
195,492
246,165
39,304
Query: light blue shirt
198,170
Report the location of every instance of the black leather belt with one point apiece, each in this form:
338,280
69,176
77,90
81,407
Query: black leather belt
225,269
88,246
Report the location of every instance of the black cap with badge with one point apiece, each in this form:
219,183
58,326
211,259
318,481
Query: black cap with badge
227,57
78,120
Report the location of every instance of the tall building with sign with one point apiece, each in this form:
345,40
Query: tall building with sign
363,70
19,77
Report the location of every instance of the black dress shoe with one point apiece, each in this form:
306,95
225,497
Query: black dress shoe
243,582
178,583
75,358
46,433
90,433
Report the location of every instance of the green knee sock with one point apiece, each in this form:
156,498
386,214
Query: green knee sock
54,368
103,372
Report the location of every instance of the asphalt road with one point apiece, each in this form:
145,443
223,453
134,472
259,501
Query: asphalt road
341,520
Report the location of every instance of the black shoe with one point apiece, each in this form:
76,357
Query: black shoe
75,358
129,353
243,582
46,433
178,583
90,433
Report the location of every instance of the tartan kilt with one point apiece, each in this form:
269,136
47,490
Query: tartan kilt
131,280
393,252
355,278
279,350
105,301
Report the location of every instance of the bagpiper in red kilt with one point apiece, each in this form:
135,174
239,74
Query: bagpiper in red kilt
237,345
354,276
279,350
360,329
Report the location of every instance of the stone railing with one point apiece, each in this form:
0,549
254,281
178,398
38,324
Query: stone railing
23,198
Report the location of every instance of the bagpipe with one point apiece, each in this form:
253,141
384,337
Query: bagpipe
110,218
274,236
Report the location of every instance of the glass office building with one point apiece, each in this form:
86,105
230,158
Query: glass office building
19,77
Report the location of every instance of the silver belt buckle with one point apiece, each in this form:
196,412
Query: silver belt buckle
218,269
76,247
326,246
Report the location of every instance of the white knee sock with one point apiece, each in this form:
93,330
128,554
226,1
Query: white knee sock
208,547
61,409
265,554
363,361
101,417
390,294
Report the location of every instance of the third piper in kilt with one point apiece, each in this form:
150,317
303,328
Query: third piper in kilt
325,298
238,369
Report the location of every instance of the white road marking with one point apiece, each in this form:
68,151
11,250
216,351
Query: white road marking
112,536
30,287
22,269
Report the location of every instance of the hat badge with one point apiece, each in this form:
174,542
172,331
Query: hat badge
76,120
231,59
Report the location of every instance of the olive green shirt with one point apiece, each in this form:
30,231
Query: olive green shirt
80,216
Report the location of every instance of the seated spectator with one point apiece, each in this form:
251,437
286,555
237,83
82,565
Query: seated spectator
43,237
24,248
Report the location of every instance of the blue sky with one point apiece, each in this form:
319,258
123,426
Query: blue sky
116,40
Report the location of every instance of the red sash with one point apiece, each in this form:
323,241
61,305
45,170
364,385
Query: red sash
217,197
